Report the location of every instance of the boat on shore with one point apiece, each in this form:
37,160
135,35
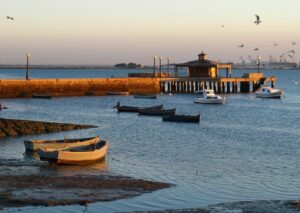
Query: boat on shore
145,96
157,112
124,108
117,93
75,155
269,92
34,145
42,96
182,118
209,97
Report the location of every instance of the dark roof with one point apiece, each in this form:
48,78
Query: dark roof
199,63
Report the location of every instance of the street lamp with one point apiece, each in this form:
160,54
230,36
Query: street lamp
168,60
27,66
258,63
154,59
160,58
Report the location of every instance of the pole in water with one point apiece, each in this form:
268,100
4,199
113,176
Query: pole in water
27,66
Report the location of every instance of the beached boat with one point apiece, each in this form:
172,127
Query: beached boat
145,96
209,97
123,108
117,93
42,96
33,145
182,118
269,92
75,155
157,112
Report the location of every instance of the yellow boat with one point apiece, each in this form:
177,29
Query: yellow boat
75,155
34,145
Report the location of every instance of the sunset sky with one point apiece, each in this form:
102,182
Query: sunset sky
102,32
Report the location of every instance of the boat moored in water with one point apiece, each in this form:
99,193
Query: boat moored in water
209,97
75,155
34,145
145,96
124,108
42,96
269,92
117,93
157,112
182,118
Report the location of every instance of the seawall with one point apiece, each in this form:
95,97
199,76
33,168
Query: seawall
15,88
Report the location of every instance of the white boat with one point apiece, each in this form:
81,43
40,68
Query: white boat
269,92
34,145
209,97
75,155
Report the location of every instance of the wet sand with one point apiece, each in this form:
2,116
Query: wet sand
43,190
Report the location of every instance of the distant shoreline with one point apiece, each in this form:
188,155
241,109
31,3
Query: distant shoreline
68,67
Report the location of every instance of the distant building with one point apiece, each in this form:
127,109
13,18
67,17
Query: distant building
204,68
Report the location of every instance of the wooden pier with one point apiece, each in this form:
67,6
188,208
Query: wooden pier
250,82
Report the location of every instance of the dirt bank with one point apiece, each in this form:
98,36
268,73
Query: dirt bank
23,190
12,127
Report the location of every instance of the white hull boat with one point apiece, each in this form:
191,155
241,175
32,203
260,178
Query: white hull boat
76,155
269,92
209,97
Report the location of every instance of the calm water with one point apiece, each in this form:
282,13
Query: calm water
247,149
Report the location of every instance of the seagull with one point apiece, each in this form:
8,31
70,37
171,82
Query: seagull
293,43
292,51
257,21
242,45
223,26
282,55
290,56
275,44
9,17
256,49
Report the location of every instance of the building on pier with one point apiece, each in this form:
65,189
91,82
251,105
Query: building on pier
204,68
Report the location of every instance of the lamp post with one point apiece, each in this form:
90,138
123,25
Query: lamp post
160,58
27,66
168,60
154,59
258,63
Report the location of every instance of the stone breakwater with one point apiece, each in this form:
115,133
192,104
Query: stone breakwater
16,88
11,127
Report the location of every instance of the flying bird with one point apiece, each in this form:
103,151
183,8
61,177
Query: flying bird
275,44
256,49
257,21
242,45
292,51
223,26
293,43
10,18
290,56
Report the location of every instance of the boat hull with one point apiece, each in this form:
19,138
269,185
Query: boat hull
182,118
159,112
75,155
146,96
34,145
209,101
271,95
136,109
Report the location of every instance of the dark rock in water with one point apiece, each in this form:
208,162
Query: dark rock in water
12,127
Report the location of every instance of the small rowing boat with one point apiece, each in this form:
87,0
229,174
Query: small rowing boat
182,118
41,96
123,108
34,145
117,93
157,112
145,96
75,155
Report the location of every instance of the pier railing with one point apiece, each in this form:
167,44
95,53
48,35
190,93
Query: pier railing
220,85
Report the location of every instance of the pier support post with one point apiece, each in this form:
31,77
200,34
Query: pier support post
228,87
245,87
235,87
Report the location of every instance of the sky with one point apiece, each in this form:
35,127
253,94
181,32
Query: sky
102,32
